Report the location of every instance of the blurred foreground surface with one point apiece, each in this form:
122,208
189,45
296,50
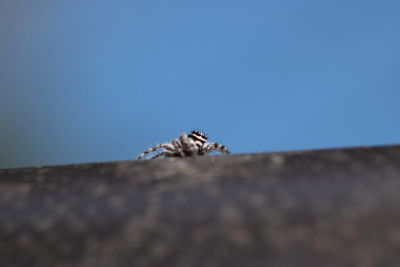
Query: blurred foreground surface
307,208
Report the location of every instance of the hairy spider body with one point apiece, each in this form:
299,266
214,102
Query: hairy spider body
187,145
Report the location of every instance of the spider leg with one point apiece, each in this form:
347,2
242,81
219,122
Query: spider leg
166,146
176,143
178,147
184,141
162,154
208,147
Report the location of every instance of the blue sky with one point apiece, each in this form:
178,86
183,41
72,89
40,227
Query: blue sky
87,81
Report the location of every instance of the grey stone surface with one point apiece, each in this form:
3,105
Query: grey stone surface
337,207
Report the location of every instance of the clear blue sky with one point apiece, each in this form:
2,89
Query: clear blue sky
86,81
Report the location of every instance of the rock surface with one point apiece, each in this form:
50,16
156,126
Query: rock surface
338,207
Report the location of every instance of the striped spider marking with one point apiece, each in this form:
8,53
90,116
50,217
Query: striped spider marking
186,145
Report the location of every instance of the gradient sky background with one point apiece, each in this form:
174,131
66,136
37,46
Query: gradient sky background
86,81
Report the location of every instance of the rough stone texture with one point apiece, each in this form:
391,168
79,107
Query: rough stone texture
310,208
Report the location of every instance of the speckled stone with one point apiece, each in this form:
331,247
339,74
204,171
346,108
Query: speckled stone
337,207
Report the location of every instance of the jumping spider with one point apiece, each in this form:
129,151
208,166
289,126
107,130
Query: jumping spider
192,144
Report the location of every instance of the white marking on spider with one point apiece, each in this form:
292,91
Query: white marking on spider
192,144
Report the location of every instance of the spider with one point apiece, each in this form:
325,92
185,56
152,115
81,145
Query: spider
192,144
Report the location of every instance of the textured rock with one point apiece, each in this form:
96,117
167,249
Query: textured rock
309,208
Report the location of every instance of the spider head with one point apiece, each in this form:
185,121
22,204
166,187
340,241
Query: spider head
198,136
